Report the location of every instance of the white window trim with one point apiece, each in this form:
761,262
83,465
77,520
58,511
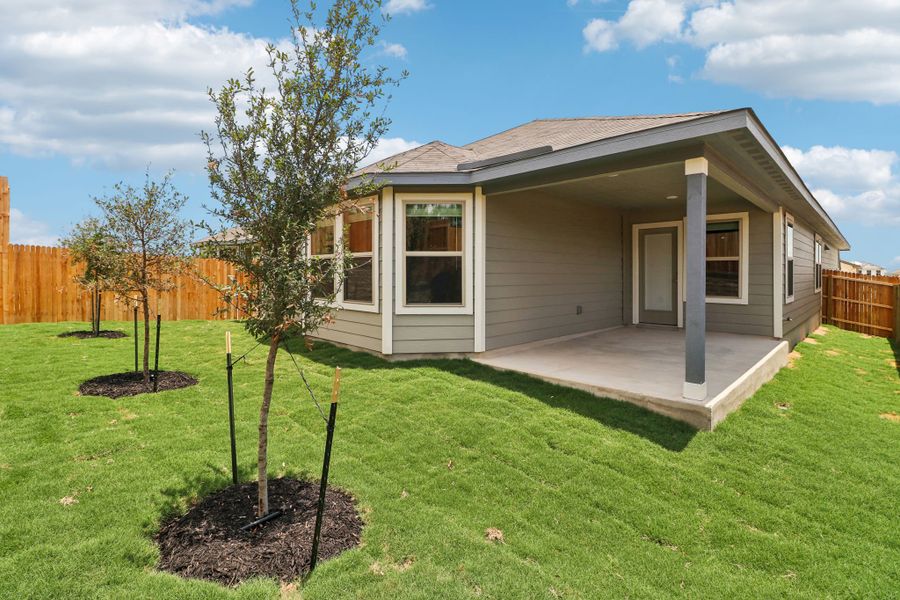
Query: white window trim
401,308
339,302
635,267
789,220
743,219
371,307
818,262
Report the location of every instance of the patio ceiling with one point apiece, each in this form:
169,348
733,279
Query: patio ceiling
648,187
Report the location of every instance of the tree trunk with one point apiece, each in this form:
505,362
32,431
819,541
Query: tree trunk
93,310
97,314
145,300
262,476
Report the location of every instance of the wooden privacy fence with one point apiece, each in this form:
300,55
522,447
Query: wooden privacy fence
37,284
865,303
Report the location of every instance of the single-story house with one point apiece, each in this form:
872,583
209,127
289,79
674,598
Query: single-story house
862,268
666,260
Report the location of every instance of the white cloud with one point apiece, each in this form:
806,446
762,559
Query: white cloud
852,184
847,50
645,22
599,36
25,230
122,84
400,7
388,147
394,50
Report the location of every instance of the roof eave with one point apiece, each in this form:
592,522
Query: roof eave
741,118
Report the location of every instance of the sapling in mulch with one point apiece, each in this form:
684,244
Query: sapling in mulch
150,241
279,161
91,247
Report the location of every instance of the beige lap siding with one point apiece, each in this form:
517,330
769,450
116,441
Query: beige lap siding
353,328
753,318
802,315
441,334
831,259
545,257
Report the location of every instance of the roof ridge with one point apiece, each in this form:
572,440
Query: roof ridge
628,117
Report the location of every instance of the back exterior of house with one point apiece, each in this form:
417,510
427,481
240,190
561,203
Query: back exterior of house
495,244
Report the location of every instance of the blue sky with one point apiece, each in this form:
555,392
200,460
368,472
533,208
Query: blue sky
90,96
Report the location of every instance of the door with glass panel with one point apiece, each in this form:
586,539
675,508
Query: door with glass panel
658,275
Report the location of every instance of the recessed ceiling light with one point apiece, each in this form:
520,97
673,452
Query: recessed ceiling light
671,197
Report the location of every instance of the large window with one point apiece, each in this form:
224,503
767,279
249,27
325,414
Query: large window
727,258
723,259
321,248
818,258
789,259
434,253
434,241
359,229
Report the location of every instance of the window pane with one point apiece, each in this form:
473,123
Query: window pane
789,241
723,278
322,238
358,284
790,277
325,287
434,280
434,227
358,224
723,238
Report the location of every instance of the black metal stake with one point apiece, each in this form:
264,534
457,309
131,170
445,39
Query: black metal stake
156,358
230,368
135,340
325,463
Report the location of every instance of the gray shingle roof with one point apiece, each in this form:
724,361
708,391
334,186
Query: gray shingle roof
439,157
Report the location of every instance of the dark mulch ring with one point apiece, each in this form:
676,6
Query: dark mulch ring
132,384
208,543
84,335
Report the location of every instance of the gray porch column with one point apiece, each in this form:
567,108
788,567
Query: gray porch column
696,171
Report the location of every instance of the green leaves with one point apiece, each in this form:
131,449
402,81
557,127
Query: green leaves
280,159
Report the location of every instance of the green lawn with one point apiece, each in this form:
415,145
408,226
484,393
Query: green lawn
797,494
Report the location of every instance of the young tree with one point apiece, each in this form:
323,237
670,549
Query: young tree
89,244
150,241
279,163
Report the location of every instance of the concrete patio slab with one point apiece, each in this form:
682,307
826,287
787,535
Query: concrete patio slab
645,366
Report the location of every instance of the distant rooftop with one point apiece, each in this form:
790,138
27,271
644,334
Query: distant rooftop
539,135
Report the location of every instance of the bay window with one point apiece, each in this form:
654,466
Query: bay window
321,248
359,229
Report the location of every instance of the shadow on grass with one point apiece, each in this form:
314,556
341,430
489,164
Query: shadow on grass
661,430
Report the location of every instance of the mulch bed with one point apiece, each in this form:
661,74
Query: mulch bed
208,543
84,335
132,384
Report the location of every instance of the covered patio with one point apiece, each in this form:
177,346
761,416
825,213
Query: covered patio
646,366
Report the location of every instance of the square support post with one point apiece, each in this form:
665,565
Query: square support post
696,171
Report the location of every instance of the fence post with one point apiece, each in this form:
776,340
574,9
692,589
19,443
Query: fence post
4,249
897,313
